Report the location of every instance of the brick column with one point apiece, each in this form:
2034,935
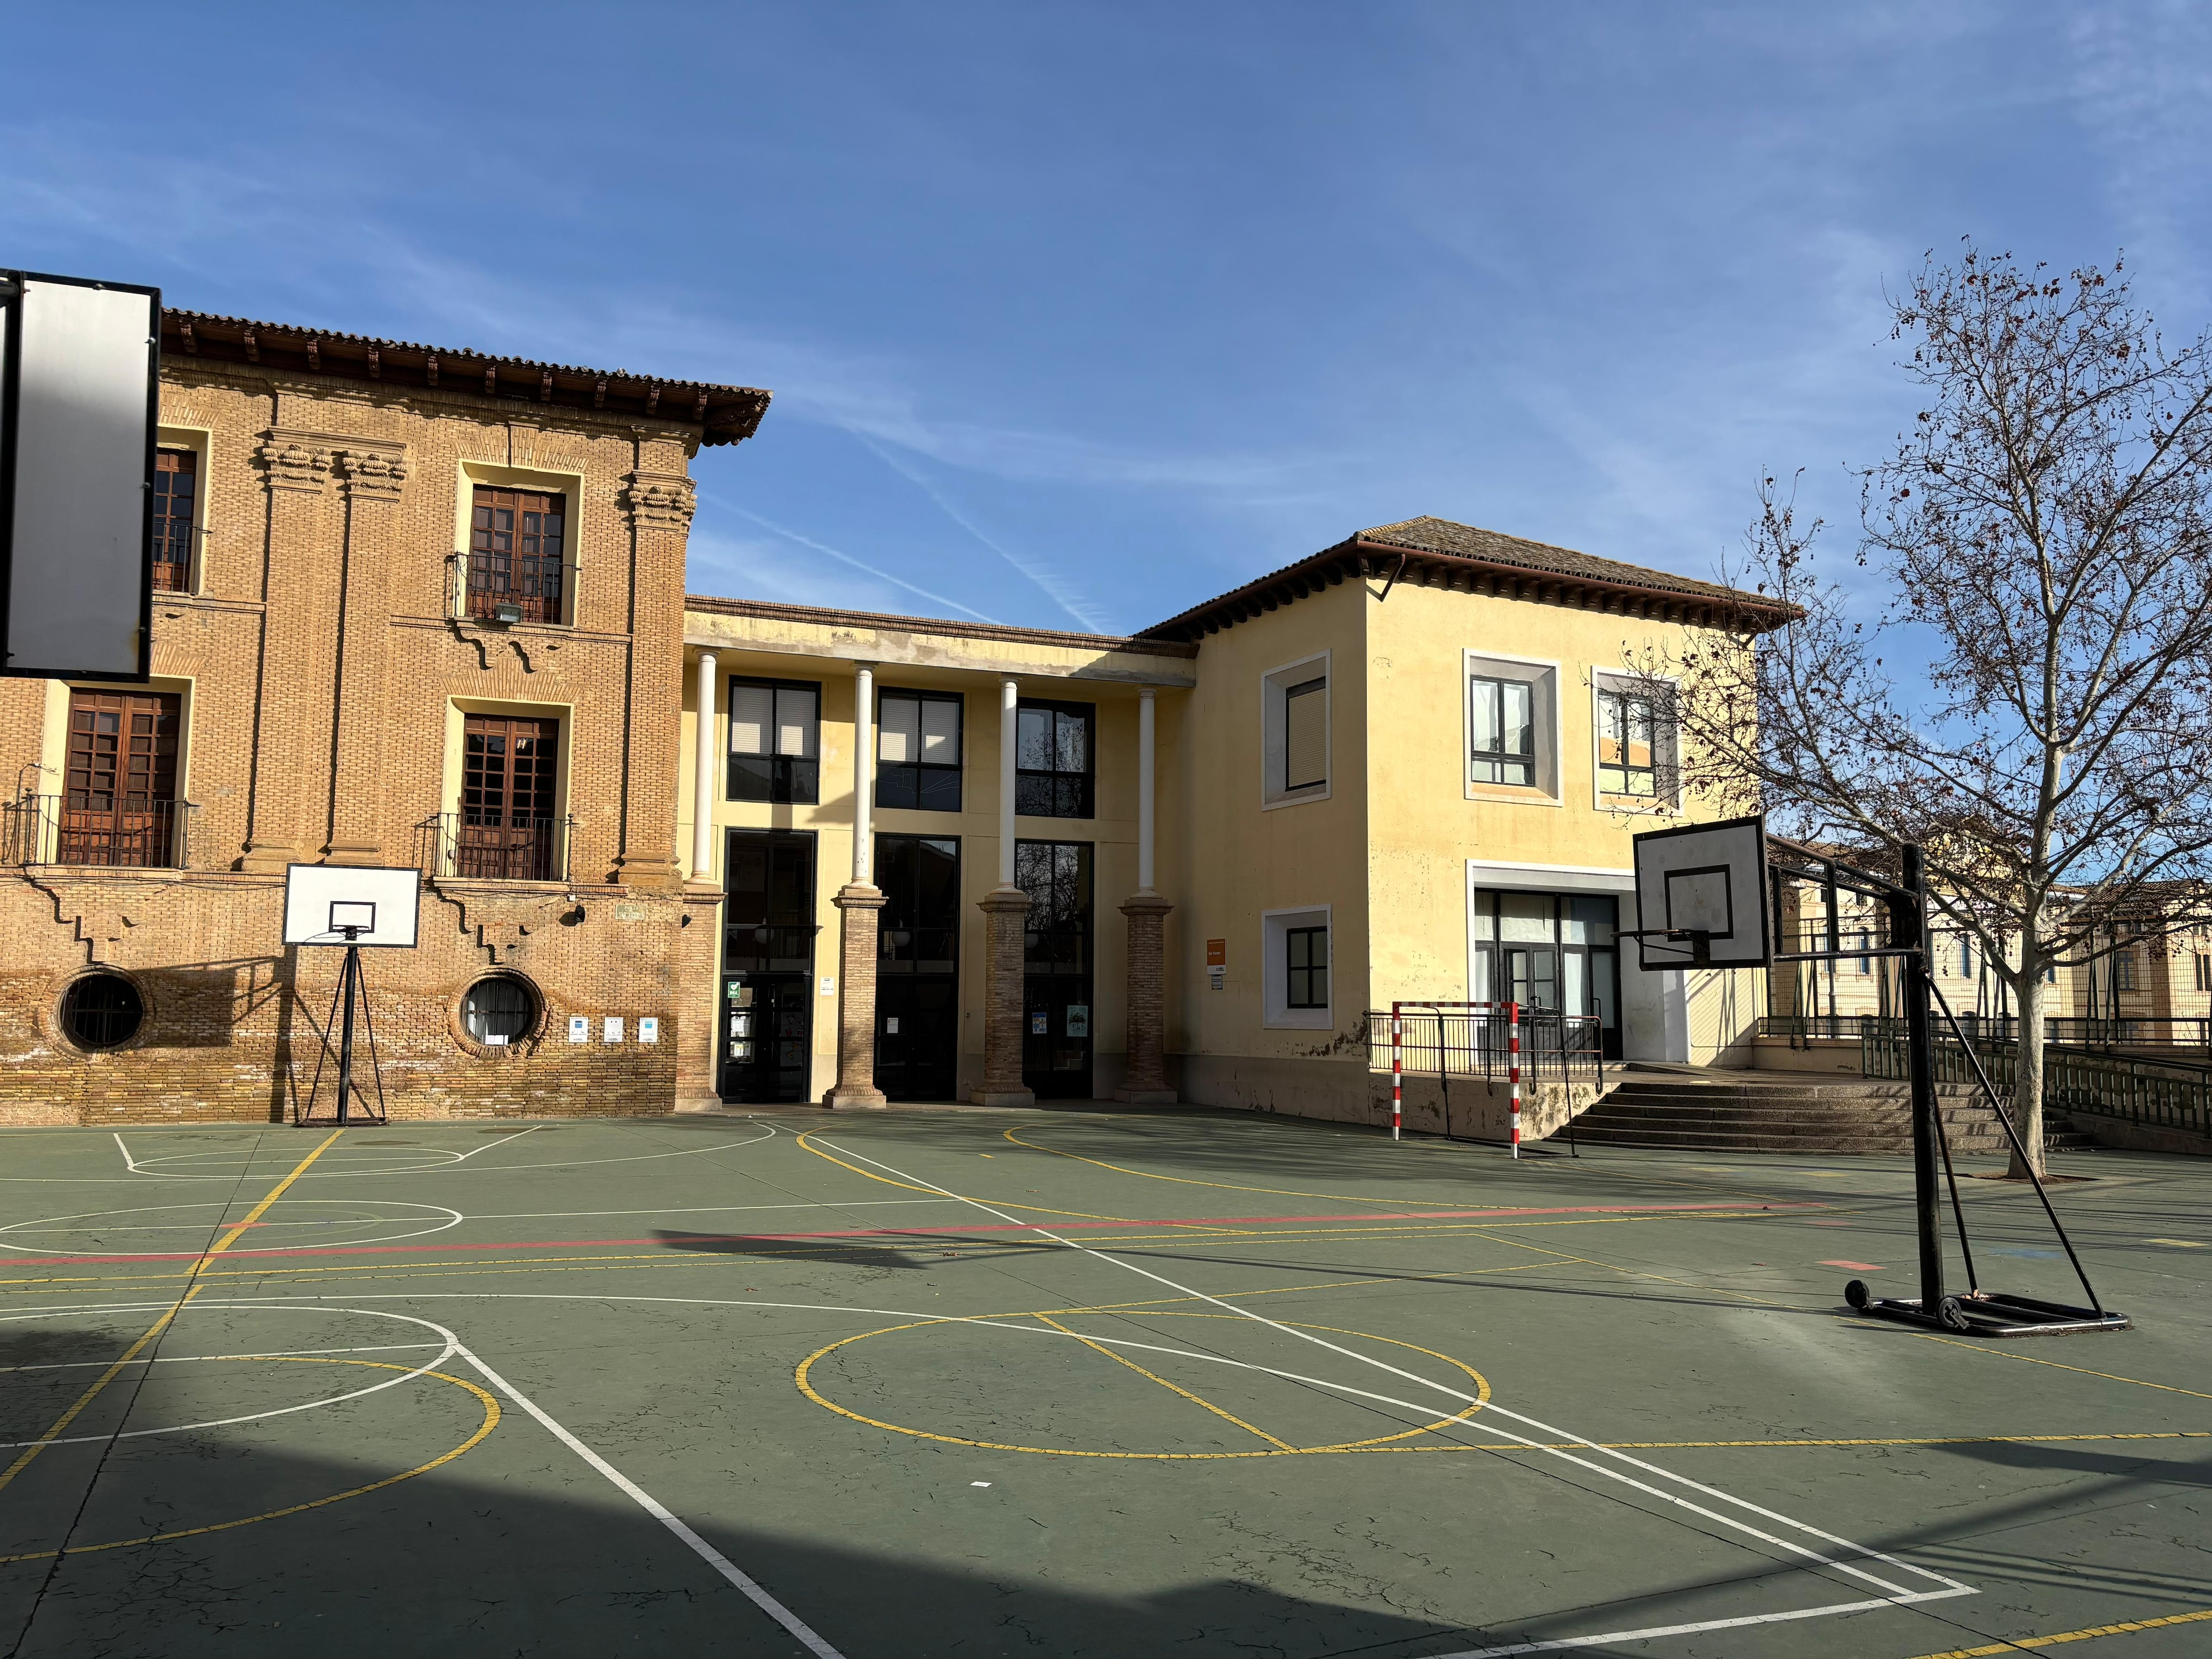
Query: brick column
659,505
1146,1081
857,906
297,606
699,1005
1008,910
374,474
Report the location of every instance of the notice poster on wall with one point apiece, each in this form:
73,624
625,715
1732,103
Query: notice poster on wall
579,1028
1040,1025
1079,1020
648,1028
612,1030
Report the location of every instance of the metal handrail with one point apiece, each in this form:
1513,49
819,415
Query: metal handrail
1472,1040
450,845
2160,1094
61,830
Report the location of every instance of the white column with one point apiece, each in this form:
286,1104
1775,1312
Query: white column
864,773
703,786
1144,789
1009,729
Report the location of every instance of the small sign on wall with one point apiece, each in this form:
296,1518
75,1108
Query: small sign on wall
579,1028
1040,1025
1216,963
611,1030
829,985
648,1028
1079,1020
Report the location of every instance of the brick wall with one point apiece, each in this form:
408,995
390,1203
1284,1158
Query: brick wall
324,679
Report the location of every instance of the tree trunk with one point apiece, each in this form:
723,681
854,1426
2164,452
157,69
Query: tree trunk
2027,1074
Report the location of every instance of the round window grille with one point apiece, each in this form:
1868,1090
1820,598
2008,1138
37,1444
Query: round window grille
499,1010
102,1011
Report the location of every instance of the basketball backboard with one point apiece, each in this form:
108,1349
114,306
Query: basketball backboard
80,365
323,902
1701,892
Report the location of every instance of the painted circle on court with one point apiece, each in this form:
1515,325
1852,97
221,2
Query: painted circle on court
347,1158
187,1230
1135,1357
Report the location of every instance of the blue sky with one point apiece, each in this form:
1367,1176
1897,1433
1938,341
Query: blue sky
1078,314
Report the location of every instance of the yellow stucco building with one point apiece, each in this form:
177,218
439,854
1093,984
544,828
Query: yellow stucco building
1189,863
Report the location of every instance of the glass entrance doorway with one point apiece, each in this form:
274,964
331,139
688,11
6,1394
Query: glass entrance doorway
1056,1010
917,967
1554,951
767,966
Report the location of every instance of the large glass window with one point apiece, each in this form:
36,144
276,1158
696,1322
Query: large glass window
918,751
1504,730
1627,755
1549,950
1052,760
775,740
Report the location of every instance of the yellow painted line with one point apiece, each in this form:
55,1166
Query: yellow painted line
2028,1644
490,1422
23,1459
1123,1359
274,1193
2080,1370
1012,1204
2181,1243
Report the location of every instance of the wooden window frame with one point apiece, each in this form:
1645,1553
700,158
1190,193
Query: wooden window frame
523,575
174,575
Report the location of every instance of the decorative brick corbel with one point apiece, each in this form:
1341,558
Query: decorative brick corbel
374,471
662,499
296,460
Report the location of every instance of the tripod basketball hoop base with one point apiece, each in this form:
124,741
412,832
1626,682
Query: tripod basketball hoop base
1986,1313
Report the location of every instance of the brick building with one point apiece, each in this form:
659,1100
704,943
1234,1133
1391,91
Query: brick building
413,606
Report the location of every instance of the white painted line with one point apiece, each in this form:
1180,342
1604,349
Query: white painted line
501,1141
127,1158
701,1209
195,1359
1898,1596
1701,1625
652,1506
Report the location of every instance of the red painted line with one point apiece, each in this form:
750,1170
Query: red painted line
1200,1223
1861,1266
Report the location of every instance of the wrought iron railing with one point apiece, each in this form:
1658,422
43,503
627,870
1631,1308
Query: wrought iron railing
1474,1042
495,585
2159,1094
66,829
463,846
2140,1031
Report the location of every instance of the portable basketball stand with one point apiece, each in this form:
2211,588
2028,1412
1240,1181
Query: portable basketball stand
339,904
1689,878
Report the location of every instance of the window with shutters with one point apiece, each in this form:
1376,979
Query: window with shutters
1294,740
517,554
119,803
508,827
176,518
775,740
1054,752
918,751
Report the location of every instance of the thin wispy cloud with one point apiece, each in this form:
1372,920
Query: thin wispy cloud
801,539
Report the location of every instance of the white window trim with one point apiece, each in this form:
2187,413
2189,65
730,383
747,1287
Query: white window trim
1634,806
1547,707
200,439
1274,739
1276,1014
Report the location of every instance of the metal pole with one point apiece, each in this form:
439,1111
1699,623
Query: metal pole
1513,1068
1909,928
1397,1069
346,979
705,784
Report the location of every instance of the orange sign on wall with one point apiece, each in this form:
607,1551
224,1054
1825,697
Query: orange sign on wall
1217,953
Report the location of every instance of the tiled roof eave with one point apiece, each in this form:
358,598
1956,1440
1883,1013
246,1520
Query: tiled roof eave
1360,556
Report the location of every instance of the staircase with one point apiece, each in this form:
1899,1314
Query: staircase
1741,1111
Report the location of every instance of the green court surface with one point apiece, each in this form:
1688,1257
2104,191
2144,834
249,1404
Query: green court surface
971,1382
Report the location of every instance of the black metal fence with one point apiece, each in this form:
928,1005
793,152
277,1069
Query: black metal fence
510,849
2157,1094
59,829
1474,1042
531,584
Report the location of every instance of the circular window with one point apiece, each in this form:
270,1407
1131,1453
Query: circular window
101,1010
499,1010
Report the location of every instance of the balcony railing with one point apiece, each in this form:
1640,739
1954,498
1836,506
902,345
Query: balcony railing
511,587
2140,1032
509,849
63,830
2158,1094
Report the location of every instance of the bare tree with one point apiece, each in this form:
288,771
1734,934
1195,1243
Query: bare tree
2034,707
